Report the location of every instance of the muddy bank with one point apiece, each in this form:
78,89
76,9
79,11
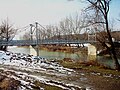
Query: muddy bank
97,79
7,83
100,77
63,48
54,75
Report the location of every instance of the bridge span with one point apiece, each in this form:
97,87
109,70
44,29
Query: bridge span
41,42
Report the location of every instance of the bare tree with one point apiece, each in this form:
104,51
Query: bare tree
26,36
101,7
49,31
7,32
62,26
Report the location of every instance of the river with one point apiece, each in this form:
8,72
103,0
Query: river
60,55
44,53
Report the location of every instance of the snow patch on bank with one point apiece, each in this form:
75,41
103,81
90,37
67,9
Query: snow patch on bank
30,62
19,64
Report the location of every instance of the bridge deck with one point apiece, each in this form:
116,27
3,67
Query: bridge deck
34,42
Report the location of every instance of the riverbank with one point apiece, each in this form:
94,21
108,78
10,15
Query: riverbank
43,74
63,48
7,83
36,73
99,76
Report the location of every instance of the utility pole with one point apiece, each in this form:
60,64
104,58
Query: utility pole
37,44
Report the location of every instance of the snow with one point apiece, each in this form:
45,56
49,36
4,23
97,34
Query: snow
29,61
43,80
75,45
20,64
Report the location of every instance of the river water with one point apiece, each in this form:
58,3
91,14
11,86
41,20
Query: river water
60,55
45,53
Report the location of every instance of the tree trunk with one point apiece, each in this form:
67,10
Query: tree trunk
112,50
117,65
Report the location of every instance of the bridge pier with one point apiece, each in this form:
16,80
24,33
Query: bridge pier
34,50
92,52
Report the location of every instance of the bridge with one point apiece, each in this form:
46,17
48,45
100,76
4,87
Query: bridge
37,31
41,42
39,35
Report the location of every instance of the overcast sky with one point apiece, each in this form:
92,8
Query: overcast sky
24,12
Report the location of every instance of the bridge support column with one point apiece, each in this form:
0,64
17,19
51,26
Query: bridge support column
92,52
33,50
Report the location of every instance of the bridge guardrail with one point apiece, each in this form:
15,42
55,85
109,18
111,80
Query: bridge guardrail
34,42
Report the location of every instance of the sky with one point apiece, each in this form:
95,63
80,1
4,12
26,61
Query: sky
25,12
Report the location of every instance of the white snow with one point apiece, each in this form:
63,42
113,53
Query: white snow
29,62
19,63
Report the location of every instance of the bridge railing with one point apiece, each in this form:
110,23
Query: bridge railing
34,42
